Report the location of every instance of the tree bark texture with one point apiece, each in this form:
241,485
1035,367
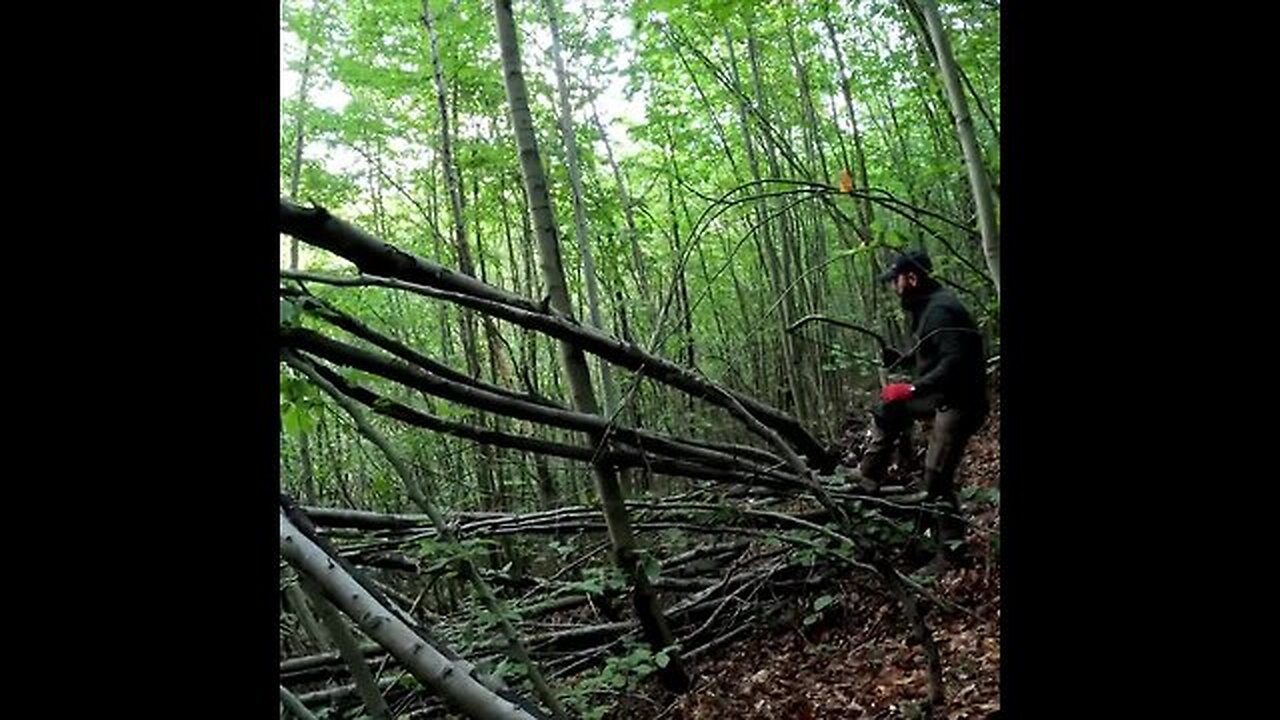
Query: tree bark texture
647,605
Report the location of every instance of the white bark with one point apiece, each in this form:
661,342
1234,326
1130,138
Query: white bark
453,679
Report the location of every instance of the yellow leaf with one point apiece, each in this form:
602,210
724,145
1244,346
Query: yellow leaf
846,181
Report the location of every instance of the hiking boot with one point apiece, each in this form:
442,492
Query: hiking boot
951,525
936,567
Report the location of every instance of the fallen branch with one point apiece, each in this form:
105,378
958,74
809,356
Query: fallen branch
840,323
513,641
307,662
317,227
385,262
617,454
340,692
294,705
419,379
339,319
453,678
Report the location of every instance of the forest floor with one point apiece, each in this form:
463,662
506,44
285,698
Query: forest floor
858,663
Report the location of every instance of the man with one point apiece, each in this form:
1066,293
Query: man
950,386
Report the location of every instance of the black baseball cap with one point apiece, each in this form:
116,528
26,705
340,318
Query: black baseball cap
910,261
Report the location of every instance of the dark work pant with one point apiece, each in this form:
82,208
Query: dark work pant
952,429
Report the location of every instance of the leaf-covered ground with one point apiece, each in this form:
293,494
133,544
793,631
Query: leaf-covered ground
858,661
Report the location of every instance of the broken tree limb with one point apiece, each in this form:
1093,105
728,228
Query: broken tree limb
321,674
704,551
419,379
624,354
294,705
350,651
919,631
453,678
308,662
720,641
337,318
840,323
626,457
715,603
697,517
298,603
617,454
331,695
807,476
317,227
495,606
376,258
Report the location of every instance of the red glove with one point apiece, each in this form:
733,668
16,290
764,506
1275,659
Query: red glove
896,392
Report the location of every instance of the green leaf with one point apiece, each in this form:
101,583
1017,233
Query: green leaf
651,567
662,659
591,586
823,602
288,312
295,419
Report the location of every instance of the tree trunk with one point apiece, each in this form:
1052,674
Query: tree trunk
295,177
647,605
350,651
634,407
467,568
485,459
628,214
295,171
864,207
979,181
920,26
682,288
812,287
294,705
454,187
548,494
766,247
859,155
308,471
546,490
791,353
298,603
569,137
433,666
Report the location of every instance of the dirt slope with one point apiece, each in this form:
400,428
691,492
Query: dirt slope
857,663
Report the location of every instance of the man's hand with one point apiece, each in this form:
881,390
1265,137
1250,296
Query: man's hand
897,392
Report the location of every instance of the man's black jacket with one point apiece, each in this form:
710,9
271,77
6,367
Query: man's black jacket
950,361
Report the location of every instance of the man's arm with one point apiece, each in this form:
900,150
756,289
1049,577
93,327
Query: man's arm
952,336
